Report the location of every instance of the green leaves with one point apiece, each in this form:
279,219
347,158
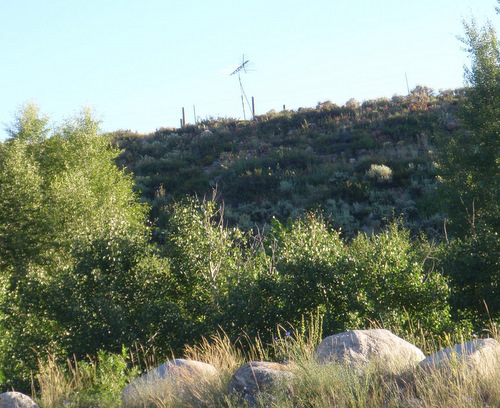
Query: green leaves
372,278
28,125
59,190
469,169
297,269
205,258
22,216
117,293
397,286
469,162
69,218
472,264
311,260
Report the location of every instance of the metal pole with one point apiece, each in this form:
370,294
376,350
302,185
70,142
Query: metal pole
243,105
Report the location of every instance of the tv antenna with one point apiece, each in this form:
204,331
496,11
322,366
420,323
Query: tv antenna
244,97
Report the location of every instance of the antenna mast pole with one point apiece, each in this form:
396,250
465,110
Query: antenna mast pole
243,94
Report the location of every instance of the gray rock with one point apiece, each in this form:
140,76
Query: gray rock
14,399
177,378
479,355
360,347
259,379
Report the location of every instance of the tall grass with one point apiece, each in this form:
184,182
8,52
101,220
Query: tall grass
99,383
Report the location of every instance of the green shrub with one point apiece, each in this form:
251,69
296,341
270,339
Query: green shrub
205,260
374,278
310,261
393,285
82,384
380,173
473,267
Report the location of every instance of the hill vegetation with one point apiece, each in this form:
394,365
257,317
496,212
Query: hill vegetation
360,164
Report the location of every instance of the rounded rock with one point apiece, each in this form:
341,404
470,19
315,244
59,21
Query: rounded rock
360,347
479,355
14,399
178,378
261,377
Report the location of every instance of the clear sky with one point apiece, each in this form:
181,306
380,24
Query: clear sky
137,63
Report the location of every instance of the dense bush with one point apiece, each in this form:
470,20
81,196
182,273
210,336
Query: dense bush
78,272
379,278
393,283
253,282
472,264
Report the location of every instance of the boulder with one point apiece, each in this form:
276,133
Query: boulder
177,378
360,347
14,399
258,380
479,355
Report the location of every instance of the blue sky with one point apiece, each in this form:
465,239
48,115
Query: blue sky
137,63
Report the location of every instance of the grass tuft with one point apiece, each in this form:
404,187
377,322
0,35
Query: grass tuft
98,383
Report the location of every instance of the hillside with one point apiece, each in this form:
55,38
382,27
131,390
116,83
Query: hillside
84,276
360,164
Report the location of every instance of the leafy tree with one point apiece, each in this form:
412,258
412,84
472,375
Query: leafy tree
29,125
116,294
206,259
473,265
75,259
22,218
469,168
392,283
311,262
59,190
469,162
221,277
372,278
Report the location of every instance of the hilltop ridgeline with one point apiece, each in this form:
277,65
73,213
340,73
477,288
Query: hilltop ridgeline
360,164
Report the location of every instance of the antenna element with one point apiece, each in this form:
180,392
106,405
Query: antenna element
243,94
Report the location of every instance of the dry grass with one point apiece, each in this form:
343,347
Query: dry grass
314,385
